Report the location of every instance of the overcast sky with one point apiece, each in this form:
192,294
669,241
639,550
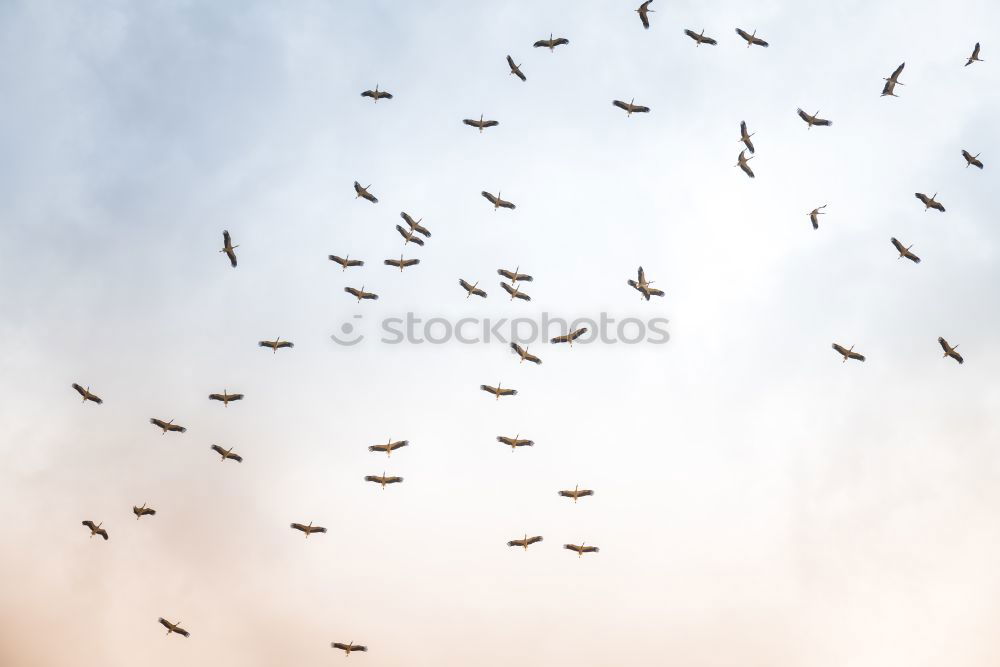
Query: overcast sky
757,501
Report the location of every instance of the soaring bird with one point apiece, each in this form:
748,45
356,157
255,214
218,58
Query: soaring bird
377,94
498,391
346,261
551,43
383,480
389,447
741,162
415,225
929,202
848,353
471,289
891,82
752,40
497,202
700,38
744,137
515,292
949,351
514,276
971,160
629,107
142,511
571,336
229,248
524,354
814,119
644,12
225,398
95,529
904,252
361,293
481,124
227,454
525,541
576,493
515,442
643,285
275,344
516,69
975,55
167,426
309,529
349,647
814,215
87,396
174,627
401,263
409,236
363,192
581,549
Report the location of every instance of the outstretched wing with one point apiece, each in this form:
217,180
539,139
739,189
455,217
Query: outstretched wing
899,246
507,288
533,540
803,115
692,34
218,450
620,104
490,123
472,123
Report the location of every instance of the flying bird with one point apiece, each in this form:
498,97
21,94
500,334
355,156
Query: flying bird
700,38
524,354
949,351
345,262
349,647
929,202
814,215
377,94
515,292
515,442
167,426
309,529
227,454
581,549
525,541
741,162
644,12
361,293
891,82
415,226
225,398
848,353
576,493
229,248
516,69
744,137
975,55
481,124
971,160
904,252
389,447
401,263
497,202
471,289
551,43
363,192
571,336
142,511
87,396
498,391
752,40
382,479
409,235
174,627
514,276
275,344
95,529
629,107
814,119
643,285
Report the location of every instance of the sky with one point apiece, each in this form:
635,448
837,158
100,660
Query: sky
756,500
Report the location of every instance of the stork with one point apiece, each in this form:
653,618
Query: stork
363,192
891,82
949,351
167,426
174,628
409,235
848,353
377,94
629,107
700,38
573,335
814,119
904,252
346,262
498,391
975,56
514,276
644,12
227,454
142,511
389,447
497,202
481,124
349,647
581,549
525,541
361,293
515,292
228,248
551,43
814,215
308,529
383,480
751,39
401,263
744,137
515,442
225,398
741,162
516,69
275,344
415,226
524,354
471,289
576,493
971,160
95,529
643,286
85,393
929,202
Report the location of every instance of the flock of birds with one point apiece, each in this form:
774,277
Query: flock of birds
415,232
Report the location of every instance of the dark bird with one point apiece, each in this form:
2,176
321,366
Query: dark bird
892,81
361,293
514,276
525,541
752,40
142,511
383,480
275,344
971,160
87,396
401,263
700,38
581,549
227,454
346,262
409,236
550,43
471,289
515,442
95,529
741,162
975,56
225,398
929,202
643,285
814,215
516,69
848,353
229,248
498,391
644,12
744,137
415,226
497,202
308,530
363,192
481,124
629,107
904,252
377,94
949,351
167,426
570,337
389,447
349,647
174,627
524,354
515,292
814,119
576,493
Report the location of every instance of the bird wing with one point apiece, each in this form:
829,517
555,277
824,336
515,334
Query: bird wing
744,34
176,427
410,262
748,144
158,422
406,216
953,354
922,197
518,349
760,42
590,550
486,387
641,276
342,647
643,16
895,74
944,344
579,332
708,40
585,492
640,109
216,397
491,198
654,291
393,480
633,283
286,343
746,169
393,446
516,543
491,123
536,538
473,123
299,526
353,291
182,632
265,343
510,62
506,204
620,104
542,42
368,93
89,524
855,355
507,288
692,34
80,390
522,295
559,41
508,392
402,232
897,245
218,450
226,239
840,349
392,262
415,239
532,358
803,115
234,457
822,121
372,478
505,440
466,286
164,622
